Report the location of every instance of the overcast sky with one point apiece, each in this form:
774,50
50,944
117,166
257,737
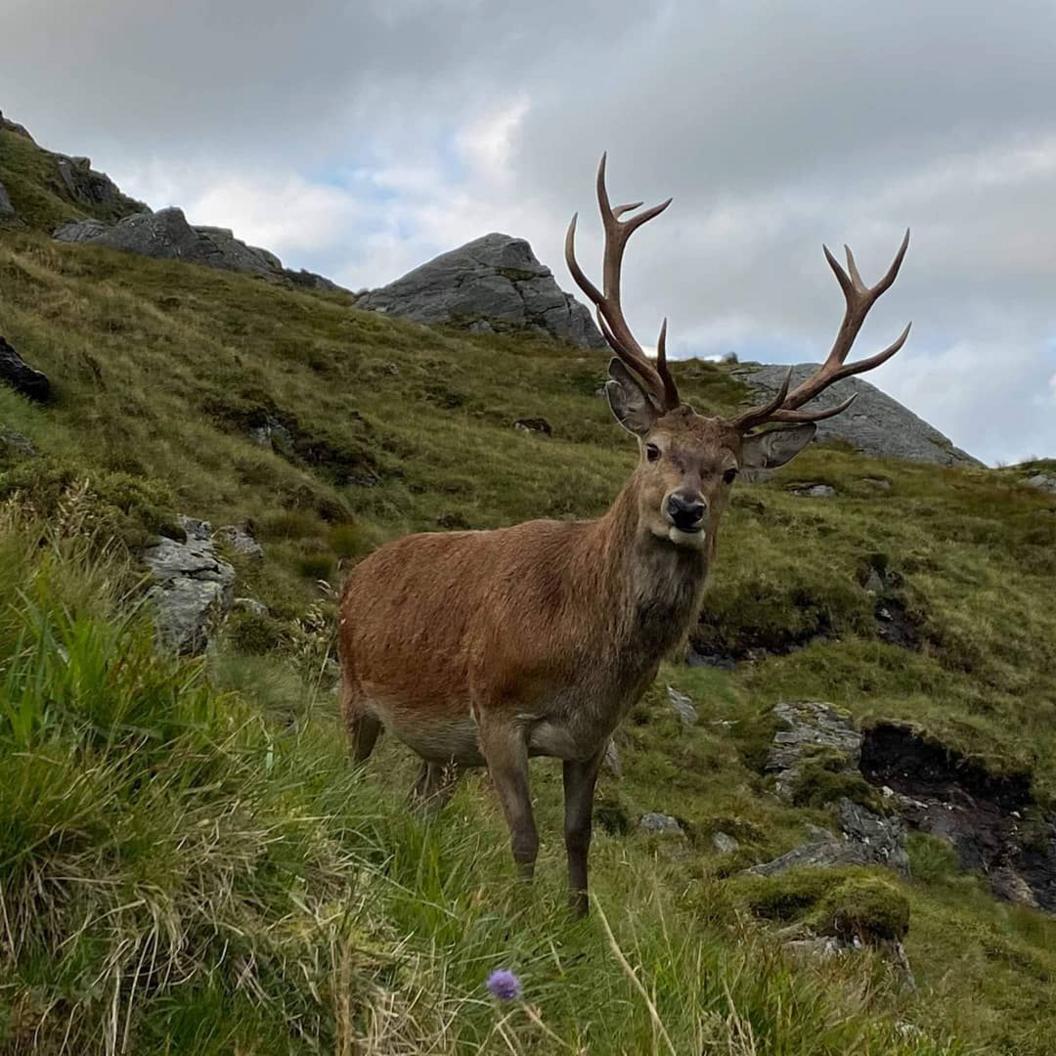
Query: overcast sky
359,139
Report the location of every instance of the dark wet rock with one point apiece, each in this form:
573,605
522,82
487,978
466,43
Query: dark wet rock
660,824
492,284
875,424
683,706
16,372
534,425
990,820
192,587
895,625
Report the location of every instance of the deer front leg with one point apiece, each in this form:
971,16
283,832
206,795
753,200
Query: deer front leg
506,754
580,779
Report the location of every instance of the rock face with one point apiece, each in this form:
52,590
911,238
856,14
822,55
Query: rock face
991,821
874,424
17,373
166,235
809,728
1043,481
494,283
7,210
13,126
91,188
192,587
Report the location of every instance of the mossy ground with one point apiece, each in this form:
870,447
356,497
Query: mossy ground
185,850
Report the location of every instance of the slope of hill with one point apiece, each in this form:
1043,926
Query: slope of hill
187,862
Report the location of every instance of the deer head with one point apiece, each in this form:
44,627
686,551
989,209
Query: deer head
688,461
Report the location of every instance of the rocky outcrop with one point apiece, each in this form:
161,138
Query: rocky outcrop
494,283
23,378
875,424
13,126
166,235
7,210
192,587
93,189
817,744
991,821
1043,482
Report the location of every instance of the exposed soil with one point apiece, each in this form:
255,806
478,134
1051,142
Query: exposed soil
991,820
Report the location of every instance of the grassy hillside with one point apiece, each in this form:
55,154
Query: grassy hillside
187,862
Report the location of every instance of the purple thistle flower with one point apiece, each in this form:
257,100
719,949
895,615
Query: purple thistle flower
504,985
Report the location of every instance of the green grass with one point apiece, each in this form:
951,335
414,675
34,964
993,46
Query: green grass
180,874
184,852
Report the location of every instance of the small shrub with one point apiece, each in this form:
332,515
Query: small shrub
316,566
824,778
352,540
865,908
612,815
931,859
255,633
787,896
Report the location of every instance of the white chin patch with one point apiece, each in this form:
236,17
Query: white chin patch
691,540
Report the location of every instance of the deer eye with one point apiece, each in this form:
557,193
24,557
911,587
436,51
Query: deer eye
729,475
652,452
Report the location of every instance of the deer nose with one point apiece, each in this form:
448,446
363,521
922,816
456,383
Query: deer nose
687,511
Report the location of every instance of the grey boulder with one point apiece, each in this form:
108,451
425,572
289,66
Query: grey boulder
875,424
192,588
1043,481
492,284
661,824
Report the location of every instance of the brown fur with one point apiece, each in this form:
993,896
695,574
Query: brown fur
482,648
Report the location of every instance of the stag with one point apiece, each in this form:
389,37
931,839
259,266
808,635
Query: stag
486,648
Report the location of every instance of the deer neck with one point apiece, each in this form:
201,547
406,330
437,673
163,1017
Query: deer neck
653,587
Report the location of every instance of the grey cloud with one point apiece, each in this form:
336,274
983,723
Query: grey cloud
775,126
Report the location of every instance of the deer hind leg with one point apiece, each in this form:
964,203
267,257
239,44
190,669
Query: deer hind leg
434,786
506,754
363,727
579,780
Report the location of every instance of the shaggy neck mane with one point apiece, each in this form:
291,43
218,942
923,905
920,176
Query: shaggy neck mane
652,588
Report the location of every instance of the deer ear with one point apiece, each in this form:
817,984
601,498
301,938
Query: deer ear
775,448
630,403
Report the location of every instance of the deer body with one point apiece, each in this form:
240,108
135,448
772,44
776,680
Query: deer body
554,626
486,648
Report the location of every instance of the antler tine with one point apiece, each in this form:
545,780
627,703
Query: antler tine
670,389
758,415
859,299
611,319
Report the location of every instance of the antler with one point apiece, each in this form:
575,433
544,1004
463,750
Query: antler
610,316
859,299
